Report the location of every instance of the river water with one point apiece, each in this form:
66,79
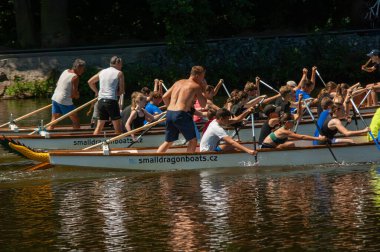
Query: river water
334,208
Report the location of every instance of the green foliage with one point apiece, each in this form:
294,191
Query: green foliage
37,88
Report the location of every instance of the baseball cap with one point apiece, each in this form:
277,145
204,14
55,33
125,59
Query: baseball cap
270,108
374,52
291,83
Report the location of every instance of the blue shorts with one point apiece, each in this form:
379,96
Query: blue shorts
61,109
179,122
217,148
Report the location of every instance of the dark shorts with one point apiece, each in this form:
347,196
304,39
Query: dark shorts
58,108
179,122
108,109
267,146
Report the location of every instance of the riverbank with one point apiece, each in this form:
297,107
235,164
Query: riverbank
275,59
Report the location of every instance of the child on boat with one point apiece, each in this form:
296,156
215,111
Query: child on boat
215,133
138,114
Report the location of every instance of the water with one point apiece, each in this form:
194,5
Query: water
335,208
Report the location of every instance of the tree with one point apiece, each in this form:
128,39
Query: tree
26,32
55,31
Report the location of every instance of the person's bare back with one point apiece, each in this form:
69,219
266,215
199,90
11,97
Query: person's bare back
183,93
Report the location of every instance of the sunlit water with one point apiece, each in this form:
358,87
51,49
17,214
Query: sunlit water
320,208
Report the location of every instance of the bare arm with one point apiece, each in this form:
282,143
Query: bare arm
312,78
305,137
166,96
304,77
74,87
92,83
339,126
237,145
132,116
201,99
258,85
217,87
121,83
254,101
148,116
270,99
241,117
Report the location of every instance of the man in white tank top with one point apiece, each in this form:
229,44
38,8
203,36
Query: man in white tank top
111,85
65,91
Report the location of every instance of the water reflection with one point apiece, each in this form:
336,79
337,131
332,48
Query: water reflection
238,209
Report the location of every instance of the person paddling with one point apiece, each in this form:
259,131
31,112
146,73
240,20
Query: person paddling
280,138
179,101
215,133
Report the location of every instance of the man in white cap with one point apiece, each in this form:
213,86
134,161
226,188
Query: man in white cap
374,63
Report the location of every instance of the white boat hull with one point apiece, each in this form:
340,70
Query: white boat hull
130,159
154,139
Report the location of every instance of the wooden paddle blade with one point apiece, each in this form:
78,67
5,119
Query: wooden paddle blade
41,166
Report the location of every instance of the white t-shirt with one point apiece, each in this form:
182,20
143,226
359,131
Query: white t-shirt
212,136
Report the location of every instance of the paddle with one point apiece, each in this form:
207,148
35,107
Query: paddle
253,134
26,116
145,131
127,133
265,84
320,131
365,124
225,89
365,97
316,71
66,115
46,165
163,85
309,100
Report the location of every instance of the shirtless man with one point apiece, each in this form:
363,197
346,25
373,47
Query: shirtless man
179,101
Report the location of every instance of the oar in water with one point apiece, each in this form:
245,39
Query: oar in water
320,132
46,165
253,134
268,86
365,124
66,115
320,77
143,133
26,116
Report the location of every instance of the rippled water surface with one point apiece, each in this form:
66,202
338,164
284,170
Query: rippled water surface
320,208
235,209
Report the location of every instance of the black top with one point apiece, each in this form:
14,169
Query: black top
285,106
139,121
124,117
326,131
265,131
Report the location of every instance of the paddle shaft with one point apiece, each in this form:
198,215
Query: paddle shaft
365,97
143,133
320,132
27,115
66,115
225,89
126,133
265,84
316,71
365,124
163,85
253,134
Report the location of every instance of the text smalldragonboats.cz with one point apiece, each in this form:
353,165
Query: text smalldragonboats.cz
174,160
